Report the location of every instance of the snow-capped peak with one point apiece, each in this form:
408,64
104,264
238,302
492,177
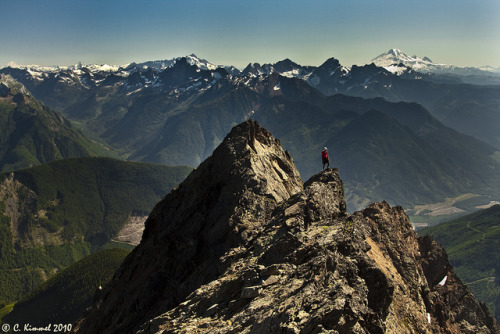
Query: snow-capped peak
192,59
36,68
57,68
396,53
392,60
202,64
490,69
396,56
103,67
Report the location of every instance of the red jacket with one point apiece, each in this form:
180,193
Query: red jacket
324,155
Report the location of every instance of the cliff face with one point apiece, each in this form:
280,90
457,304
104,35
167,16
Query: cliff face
243,246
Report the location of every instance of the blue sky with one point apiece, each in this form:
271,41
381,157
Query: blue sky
63,32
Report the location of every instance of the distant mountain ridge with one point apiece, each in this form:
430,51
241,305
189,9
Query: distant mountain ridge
179,114
330,77
284,67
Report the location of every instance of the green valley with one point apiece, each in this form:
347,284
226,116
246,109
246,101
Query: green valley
473,243
55,214
63,298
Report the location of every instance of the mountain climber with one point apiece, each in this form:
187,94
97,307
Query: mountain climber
325,158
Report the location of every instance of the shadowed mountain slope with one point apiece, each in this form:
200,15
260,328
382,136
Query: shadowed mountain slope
32,134
65,296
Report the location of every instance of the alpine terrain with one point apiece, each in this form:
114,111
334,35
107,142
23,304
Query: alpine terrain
435,137
244,246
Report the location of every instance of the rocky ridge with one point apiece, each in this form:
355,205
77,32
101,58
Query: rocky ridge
243,246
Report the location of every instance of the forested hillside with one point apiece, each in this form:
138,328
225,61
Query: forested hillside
63,298
32,134
473,245
55,214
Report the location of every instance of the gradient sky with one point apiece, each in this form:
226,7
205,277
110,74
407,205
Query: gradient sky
232,32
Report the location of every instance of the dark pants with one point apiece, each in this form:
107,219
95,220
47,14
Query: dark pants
326,162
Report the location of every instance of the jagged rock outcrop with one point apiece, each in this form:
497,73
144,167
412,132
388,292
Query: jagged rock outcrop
221,205
242,246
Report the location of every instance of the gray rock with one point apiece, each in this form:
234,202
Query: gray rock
250,291
243,246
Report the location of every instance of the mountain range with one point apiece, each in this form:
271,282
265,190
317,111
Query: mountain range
393,75
177,112
391,60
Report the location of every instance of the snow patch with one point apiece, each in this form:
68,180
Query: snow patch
291,74
103,68
395,69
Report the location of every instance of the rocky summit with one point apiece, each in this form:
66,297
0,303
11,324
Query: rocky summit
244,246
